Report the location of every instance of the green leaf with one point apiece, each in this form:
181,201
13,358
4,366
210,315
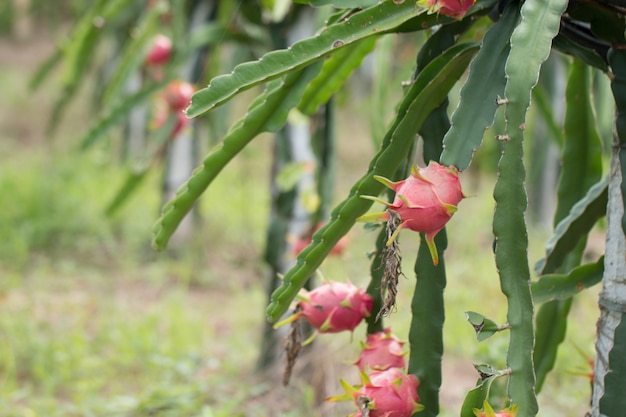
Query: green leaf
267,113
290,174
335,71
425,93
581,167
562,286
479,95
575,226
117,113
133,180
372,21
483,327
530,47
45,69
477,396
132,56
589,56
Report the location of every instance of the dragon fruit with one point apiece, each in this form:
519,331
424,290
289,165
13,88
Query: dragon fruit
333,307
178,95
389,393
381,351
487,411
424,202
451,8
336,306
160,52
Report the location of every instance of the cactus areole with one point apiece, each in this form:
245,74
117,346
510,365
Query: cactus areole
425,201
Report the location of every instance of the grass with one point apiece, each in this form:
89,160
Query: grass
93,323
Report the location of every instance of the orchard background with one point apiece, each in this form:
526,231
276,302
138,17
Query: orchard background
94,321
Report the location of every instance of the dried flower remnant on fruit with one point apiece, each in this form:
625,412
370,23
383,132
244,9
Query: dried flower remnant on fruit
292,343
381,351
425,202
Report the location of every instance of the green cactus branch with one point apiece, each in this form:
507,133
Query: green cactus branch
426,332
479,95
425,93
334,73
581,167
530,47
366,23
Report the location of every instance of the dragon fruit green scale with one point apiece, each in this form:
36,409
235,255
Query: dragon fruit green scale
424,201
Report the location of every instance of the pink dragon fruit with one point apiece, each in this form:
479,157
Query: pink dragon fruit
333,307
487,411
178,94
389,393
381,351
160,52
336,306
425,201
451,8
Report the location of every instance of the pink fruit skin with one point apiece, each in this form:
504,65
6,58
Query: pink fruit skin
391,393
336,306
425,201
452,8
160,52
381,351
419,198
178,95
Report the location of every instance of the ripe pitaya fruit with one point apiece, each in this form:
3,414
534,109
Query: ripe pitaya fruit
487,411
425,201
381,351
160,52
333,307
389,393
178,95
451,8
